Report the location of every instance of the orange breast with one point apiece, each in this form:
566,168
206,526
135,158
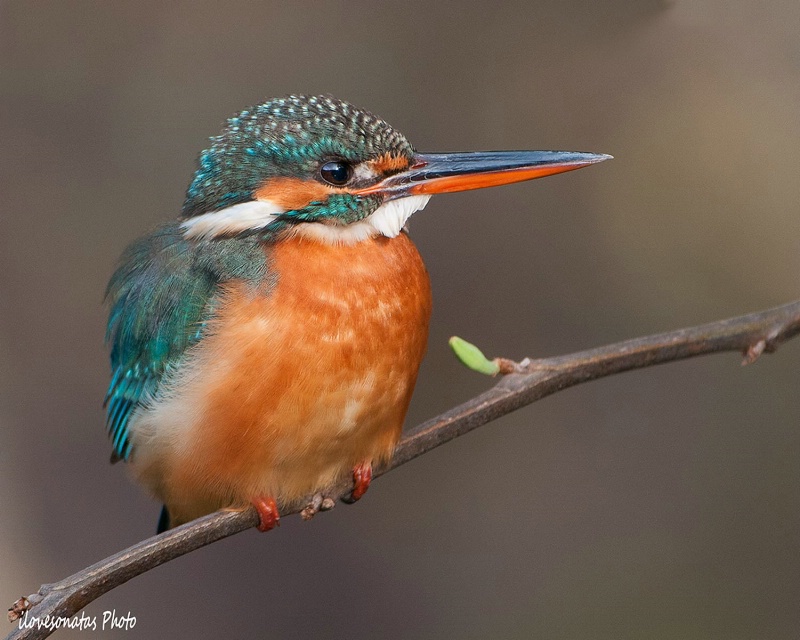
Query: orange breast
306,379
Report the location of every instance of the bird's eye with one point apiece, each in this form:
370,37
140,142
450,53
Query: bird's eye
336,172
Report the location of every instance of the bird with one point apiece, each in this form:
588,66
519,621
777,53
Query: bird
265,343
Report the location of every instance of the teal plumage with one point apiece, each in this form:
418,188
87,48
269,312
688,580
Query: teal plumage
160,298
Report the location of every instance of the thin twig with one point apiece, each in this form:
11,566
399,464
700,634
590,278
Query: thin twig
529,381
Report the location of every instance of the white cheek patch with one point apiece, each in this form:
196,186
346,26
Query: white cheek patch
244,216
390,218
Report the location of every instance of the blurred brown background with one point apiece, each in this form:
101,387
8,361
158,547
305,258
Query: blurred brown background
663,503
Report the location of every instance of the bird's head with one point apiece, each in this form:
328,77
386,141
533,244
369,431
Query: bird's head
328,170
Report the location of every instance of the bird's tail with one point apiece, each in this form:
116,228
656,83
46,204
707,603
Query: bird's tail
163,521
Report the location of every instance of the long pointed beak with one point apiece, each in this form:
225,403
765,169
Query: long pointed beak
431,173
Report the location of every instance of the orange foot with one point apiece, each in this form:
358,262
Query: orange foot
269,518
362,476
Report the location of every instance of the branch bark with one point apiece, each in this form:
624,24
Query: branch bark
523,384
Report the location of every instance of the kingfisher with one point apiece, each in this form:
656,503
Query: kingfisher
265,345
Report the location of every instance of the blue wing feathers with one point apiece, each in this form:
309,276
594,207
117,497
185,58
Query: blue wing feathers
157,297
161,297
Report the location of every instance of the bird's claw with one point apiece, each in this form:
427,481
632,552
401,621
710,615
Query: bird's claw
362,477
268,515
318,503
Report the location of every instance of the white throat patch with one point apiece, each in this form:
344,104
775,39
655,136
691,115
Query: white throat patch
387,220
390,218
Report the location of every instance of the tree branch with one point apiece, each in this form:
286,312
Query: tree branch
523,384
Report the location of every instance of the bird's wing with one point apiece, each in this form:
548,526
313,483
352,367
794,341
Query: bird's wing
158,299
